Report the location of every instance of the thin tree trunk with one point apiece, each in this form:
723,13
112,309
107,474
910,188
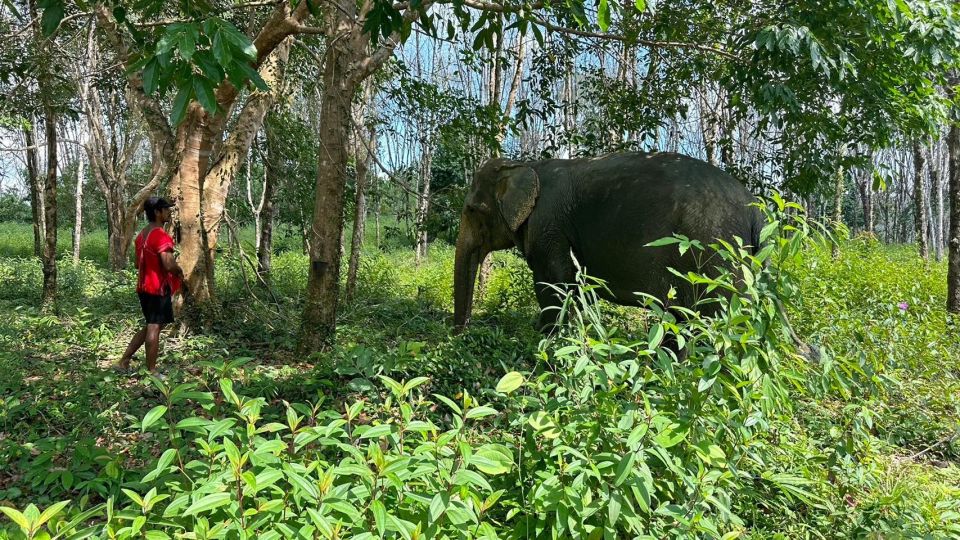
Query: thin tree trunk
866,199
709,126
838,201
255,209
953,256
936,215
49,256
78,209
520,54
36,189
423,201
364,151
270,180
376,212
920,200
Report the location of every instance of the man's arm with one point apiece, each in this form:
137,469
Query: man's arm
169,262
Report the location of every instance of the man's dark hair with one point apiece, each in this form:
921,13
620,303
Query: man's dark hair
151,205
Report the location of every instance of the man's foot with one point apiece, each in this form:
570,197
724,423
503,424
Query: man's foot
121,367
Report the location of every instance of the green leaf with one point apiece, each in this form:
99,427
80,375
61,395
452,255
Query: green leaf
413,383
207,503
624,468
205,94
180,104
449,403
663,242
188,42
253,76
438,506
379,516
465,477
768,230
233,453
613,508
165,460
52,16
510,382
18,518
192,422
133,497
394,386
377,431
151,76
480,412
641,5
655,336
152,417
603,15
492,459
302,484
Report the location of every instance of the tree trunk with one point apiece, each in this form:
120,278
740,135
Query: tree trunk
36,189
423,201
838,201
709,125
255,209
920,199
866,199
78,209
936,217
271,177
953,256
201,184
49,255
364,157
347,63
323,284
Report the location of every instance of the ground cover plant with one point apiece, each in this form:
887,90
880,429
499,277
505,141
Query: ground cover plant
405,430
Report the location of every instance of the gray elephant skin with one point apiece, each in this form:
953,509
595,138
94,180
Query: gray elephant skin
603,211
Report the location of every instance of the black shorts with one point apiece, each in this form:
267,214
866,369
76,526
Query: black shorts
156,309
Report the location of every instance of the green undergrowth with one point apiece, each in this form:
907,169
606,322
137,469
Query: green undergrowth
404,430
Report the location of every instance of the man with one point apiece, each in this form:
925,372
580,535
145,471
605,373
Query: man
158,279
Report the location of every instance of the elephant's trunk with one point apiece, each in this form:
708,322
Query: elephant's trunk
467,261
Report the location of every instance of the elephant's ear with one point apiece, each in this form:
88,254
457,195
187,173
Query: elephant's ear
517,194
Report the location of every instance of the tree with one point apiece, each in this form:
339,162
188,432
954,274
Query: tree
208,62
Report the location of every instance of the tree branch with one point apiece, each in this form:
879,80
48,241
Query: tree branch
148,106
483,5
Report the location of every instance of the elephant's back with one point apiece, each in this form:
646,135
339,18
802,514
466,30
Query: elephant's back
623,201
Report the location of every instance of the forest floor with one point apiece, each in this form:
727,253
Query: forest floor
881,457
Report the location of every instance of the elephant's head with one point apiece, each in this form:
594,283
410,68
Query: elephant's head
500,200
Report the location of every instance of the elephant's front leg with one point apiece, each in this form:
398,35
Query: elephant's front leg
554,276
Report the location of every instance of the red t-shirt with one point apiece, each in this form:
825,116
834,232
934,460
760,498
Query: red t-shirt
152,278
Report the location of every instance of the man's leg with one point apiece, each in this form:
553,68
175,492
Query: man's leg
135,343
153,345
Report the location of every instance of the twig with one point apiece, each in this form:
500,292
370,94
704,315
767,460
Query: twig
945,440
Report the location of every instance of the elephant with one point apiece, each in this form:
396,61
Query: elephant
603,211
